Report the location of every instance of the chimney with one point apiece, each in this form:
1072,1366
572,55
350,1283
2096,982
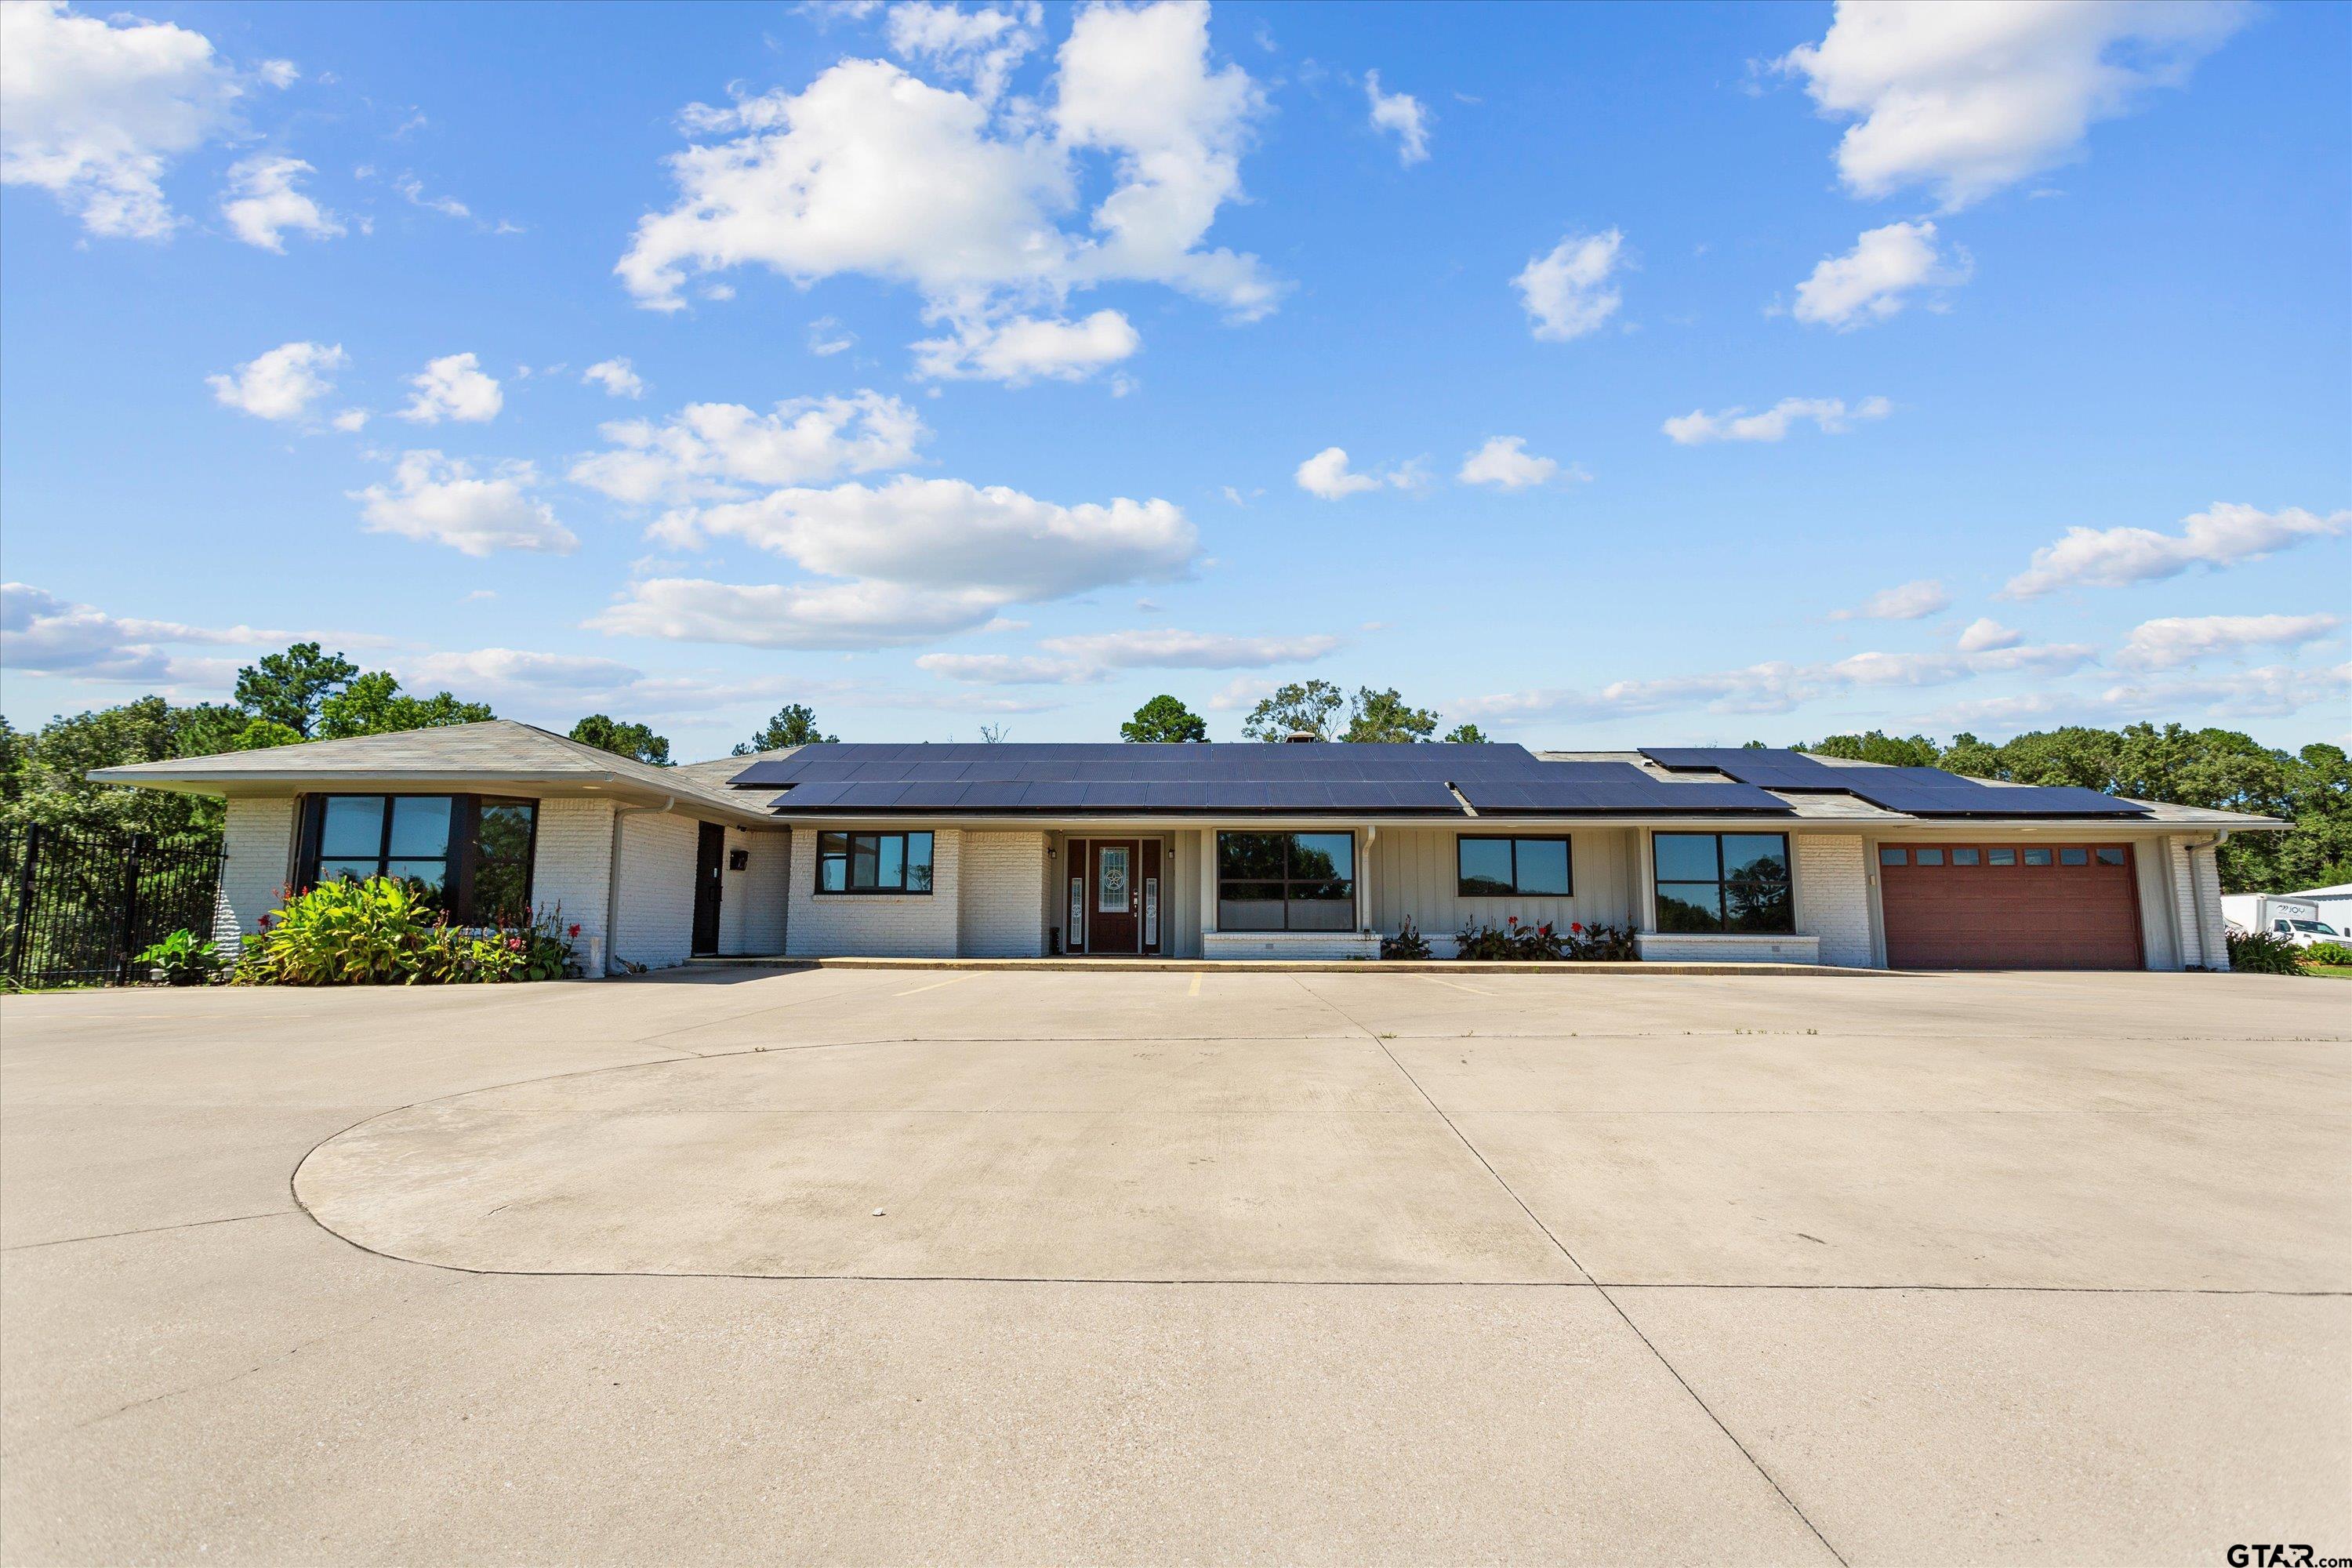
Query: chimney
1295,736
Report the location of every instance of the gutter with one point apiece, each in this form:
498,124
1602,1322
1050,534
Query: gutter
612,874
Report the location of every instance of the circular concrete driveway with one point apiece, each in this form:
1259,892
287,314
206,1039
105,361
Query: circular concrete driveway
1312,1160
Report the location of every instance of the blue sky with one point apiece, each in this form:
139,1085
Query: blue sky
1697,374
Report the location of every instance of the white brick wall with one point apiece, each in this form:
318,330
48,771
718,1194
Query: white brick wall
571,872
258,854
1701,947
654,923
752,904
1832,888
1317,944
877,925
2206,871
1000,901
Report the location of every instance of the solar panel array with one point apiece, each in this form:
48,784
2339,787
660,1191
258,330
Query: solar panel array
1915,792
1292,779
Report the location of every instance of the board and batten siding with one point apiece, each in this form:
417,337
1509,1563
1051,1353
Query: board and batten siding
1413,872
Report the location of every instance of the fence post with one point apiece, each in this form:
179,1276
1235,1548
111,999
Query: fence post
126,923
24,931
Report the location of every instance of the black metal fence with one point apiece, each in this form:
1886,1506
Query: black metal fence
81,906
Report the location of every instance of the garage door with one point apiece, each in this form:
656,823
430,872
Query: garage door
2010,906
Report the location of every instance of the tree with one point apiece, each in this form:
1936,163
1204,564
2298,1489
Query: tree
374,704
46,779
993,734
1294,708
1383,716
1164,719
633,741
1877,746
1466,735
289,688
794,725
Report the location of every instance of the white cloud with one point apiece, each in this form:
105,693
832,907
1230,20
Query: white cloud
1910,602
870,170
1829,415
1326,475
42,633
947,534
505,676
1504,463
1402,113
1240,693
454,387
1984,633
1568,292
1079,660
350,420
616,378
2222,535
722,451
826,335
1869,282
1020,348
97,110
1973,99
412,189
2272,692
281,383
2175,640
279,73
440,501
831,616
262,205
1774,686
979,47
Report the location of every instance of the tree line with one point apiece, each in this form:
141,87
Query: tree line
308,694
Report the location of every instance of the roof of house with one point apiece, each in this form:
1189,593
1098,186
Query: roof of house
470,756
1437,783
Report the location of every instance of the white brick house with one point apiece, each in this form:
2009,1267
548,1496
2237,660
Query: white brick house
1200,851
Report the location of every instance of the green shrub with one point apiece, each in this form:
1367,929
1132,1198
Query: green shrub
182,958
2333,953
1603,943
1479,941
387,932
2260,952
1408,942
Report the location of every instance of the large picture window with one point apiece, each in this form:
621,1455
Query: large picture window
1724,883
1488,867
1286,881
873,862
471,853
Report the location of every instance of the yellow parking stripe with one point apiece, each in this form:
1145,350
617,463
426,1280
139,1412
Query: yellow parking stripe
1195,988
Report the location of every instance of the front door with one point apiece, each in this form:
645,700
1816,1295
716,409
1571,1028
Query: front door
709,858
1114,895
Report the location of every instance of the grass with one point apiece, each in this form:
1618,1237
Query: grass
2329,971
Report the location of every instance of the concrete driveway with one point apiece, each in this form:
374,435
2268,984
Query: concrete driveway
1332,1267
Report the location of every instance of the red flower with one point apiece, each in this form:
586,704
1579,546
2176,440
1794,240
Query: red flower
572,930
1513,918
1577,926
1545,929
265,921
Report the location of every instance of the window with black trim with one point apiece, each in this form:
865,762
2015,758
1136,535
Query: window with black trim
1724,883
873,862
1497,868
470,853
1286,881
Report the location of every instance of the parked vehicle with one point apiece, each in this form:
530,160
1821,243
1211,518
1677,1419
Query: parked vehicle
2295,920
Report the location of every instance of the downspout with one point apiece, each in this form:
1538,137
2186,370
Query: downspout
613,875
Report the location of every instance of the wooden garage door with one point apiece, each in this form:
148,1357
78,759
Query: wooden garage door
2010,906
